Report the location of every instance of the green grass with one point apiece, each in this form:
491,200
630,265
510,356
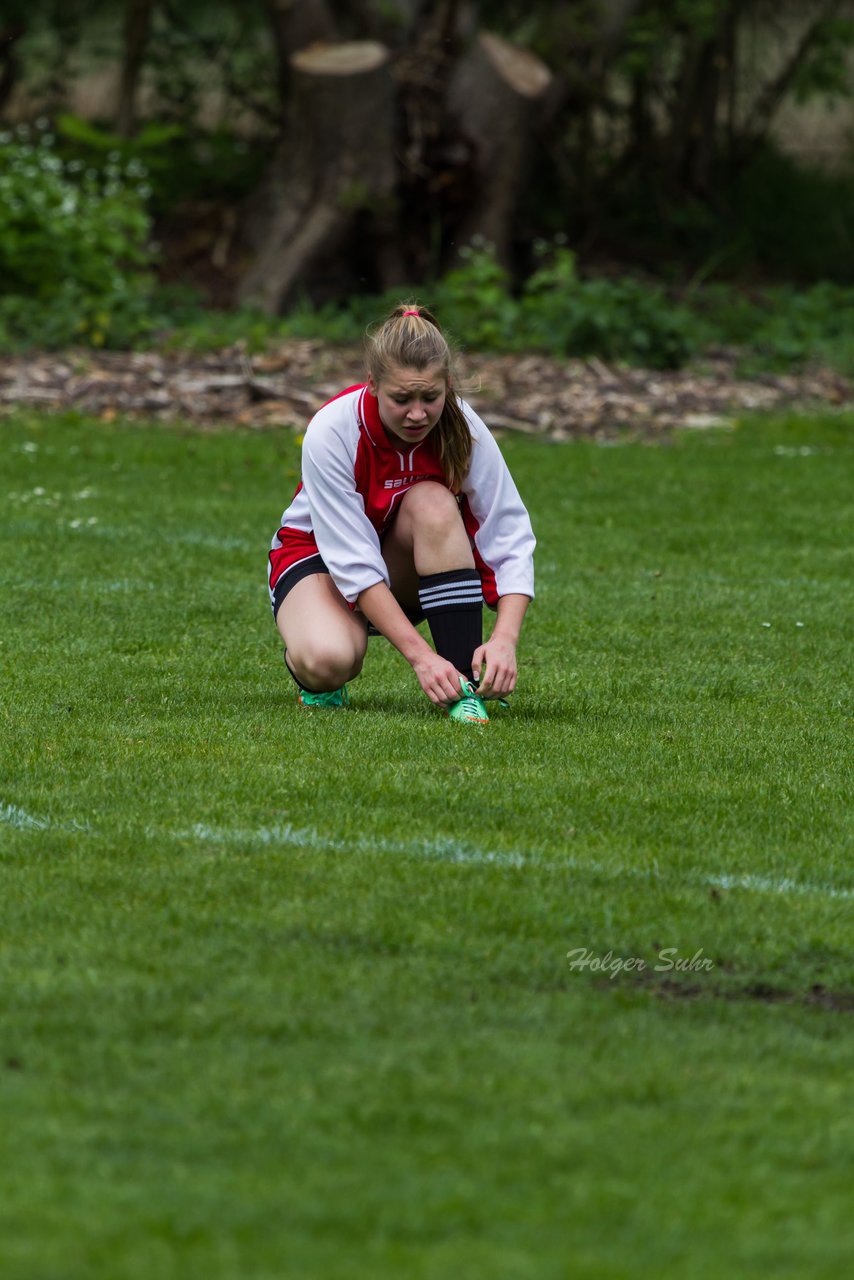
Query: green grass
287,994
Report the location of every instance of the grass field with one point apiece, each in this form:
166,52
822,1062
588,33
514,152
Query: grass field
288,994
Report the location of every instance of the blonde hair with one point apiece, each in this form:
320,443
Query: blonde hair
410,338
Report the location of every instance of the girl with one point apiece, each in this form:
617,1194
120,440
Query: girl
406,511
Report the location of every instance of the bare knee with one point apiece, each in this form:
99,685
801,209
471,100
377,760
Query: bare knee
433,526
322,666
325,644
431,506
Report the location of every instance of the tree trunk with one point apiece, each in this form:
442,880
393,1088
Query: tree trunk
295,24
137,27
496,96
334,167
703,103
9,64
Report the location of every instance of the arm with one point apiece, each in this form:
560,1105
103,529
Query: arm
345,536
439,678
498,655
506,542
502,534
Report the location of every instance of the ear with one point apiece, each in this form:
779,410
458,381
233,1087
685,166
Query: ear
372,386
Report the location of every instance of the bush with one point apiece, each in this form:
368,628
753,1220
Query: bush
617,319
559,313
474,301
73,248
781,327
562,314
180,165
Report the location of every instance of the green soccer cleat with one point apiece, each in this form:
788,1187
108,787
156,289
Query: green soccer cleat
334,698
469,709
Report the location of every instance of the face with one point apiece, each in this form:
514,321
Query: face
410,401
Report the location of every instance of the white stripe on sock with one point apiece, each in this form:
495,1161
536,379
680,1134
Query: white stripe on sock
444,594
460,585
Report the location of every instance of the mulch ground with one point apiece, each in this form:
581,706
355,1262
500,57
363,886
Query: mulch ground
559,400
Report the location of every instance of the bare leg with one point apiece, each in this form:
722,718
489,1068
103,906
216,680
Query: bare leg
427,537
325,640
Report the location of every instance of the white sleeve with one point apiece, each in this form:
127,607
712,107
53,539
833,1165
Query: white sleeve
345,536
504,536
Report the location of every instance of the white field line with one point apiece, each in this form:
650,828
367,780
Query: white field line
440,849
14,816
445,849
768,884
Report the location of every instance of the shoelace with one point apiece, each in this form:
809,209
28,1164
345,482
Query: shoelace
502,702
473,705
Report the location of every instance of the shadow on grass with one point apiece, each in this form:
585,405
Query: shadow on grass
414,708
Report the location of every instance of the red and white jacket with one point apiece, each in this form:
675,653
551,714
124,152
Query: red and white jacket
353,478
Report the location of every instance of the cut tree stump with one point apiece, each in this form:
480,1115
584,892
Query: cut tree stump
496,96
334,164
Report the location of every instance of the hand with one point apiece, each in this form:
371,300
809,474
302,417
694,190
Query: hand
439,678
498,657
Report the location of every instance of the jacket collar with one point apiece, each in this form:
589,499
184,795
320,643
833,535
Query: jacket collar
370,420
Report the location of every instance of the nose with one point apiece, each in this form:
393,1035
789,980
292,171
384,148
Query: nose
417,412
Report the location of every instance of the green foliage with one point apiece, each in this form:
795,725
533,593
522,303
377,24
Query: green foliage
73,247
558,312
74,268
780,327
617,319
474,300
180,163
826,73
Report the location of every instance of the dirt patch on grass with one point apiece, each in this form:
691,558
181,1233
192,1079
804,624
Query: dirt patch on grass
817,995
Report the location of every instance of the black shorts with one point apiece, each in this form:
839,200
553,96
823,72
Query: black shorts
316,564
290,578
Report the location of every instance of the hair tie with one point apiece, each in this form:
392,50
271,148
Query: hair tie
413,313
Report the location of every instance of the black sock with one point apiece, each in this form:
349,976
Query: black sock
453,606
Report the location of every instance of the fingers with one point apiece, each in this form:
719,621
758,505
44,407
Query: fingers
499,677
440,681
450,692
495,666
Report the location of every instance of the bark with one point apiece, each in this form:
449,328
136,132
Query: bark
9,64
432,161
333,170
295,24
137,28
497,96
